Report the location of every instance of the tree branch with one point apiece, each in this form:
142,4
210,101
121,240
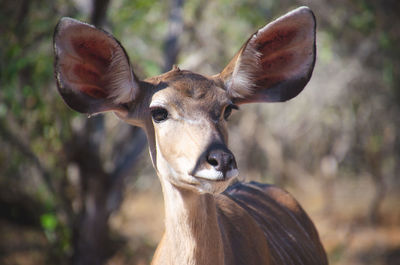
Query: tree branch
19,143
12,137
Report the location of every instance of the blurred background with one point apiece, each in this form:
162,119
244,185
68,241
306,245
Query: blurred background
80,191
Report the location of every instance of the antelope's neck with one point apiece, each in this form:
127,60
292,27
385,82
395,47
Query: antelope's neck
192,234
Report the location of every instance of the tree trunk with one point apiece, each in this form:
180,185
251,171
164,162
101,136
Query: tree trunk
175,28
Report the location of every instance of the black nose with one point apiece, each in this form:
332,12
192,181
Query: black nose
221,159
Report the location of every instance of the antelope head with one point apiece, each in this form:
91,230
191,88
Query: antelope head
183,113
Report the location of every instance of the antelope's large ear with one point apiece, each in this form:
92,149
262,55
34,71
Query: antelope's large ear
276,62
92,69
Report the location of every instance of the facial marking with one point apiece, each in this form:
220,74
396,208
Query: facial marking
195,108
210,173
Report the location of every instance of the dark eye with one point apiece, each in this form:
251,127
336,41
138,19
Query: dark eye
228,110
159,114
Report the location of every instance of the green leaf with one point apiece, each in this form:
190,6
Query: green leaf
49,221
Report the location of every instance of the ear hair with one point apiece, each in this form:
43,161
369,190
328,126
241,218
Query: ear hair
276,62
122,90
241,82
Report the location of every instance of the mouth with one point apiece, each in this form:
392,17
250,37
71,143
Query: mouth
215,175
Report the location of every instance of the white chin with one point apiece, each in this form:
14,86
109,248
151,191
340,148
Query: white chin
215,175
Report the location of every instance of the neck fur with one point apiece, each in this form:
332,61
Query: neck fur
192,233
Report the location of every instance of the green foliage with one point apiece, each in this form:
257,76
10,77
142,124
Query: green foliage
140,27
30,110
49,222
364,21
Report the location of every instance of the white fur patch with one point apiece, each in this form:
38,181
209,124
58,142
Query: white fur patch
211,174
241,84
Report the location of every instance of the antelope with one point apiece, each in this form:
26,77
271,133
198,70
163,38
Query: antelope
211,218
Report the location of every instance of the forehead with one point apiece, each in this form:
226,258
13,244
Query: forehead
181,87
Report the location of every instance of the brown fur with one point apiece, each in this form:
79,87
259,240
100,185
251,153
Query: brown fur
258,224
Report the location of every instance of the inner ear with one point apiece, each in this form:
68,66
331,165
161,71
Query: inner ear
87,62
276,62
92,68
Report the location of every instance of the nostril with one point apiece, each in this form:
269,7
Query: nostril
212,160
221,159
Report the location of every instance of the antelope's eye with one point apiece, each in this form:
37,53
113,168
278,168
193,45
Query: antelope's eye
228,110
159,114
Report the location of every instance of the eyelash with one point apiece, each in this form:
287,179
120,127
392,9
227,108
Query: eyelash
228,110
159,114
